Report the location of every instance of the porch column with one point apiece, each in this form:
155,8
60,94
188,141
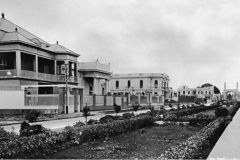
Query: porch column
18,63
95,85
36,64
55,67
107,86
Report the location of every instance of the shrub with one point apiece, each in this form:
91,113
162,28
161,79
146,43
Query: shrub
136,106
38,146
6,136
92,121
221,112
170,117
29,130
192,147
128,115
107,119
117,108
78,124
32,115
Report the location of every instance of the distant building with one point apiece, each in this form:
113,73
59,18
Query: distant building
139,83
186,91
199,92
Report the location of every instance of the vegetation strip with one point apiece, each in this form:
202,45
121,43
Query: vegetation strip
46,143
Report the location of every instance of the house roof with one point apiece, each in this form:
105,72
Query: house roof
11,32
60,49
13,37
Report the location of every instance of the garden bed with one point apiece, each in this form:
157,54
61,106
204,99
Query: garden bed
149,142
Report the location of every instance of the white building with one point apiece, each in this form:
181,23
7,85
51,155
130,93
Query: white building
95,77
139,83
186,91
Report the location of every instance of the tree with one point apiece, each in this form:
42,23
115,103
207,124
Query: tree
117,108
86,112
135,106
216,90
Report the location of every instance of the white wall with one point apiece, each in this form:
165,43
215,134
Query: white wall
12,99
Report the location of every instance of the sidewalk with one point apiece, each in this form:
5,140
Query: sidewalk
59,116
228,145
65,116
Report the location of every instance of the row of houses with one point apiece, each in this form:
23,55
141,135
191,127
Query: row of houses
35,74
206,92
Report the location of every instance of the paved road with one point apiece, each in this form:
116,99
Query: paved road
61,123
228,145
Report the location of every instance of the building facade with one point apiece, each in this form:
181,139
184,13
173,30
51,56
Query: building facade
186,91
48,76
95,77
40,68
139,83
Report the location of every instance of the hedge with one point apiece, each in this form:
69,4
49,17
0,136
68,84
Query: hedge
40,145
192,148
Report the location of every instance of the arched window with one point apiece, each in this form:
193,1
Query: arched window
117,84
141,83
156,84
129,83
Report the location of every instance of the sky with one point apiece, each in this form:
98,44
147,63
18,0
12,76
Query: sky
193,41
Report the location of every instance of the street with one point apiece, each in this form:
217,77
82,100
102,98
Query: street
61,123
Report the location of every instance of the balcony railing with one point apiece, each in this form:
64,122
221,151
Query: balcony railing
48,77
35,75
94,66
8,73
62,78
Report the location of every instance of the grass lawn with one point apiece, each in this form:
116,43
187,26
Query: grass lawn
144,143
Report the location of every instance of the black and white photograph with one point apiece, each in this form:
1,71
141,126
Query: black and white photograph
119,79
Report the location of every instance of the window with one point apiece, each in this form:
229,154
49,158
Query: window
117,84
183,92
141,83
156,84
155,93
188,92
206,92
129,83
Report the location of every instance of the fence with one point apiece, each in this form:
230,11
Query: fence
146,100
97,102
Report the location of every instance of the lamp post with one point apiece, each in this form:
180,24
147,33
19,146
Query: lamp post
67,77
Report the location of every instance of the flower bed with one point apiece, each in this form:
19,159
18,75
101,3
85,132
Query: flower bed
46,143
192,148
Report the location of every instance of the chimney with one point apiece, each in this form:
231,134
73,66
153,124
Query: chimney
237,85
225,85
3,15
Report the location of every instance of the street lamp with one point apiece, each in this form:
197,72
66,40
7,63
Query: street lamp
65,70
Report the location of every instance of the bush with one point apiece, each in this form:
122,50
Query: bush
6,136
29,130
78,124
170,117
128,115
107,119
221,112
92,121
38,146
136,107
32,115
192,147
117,108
